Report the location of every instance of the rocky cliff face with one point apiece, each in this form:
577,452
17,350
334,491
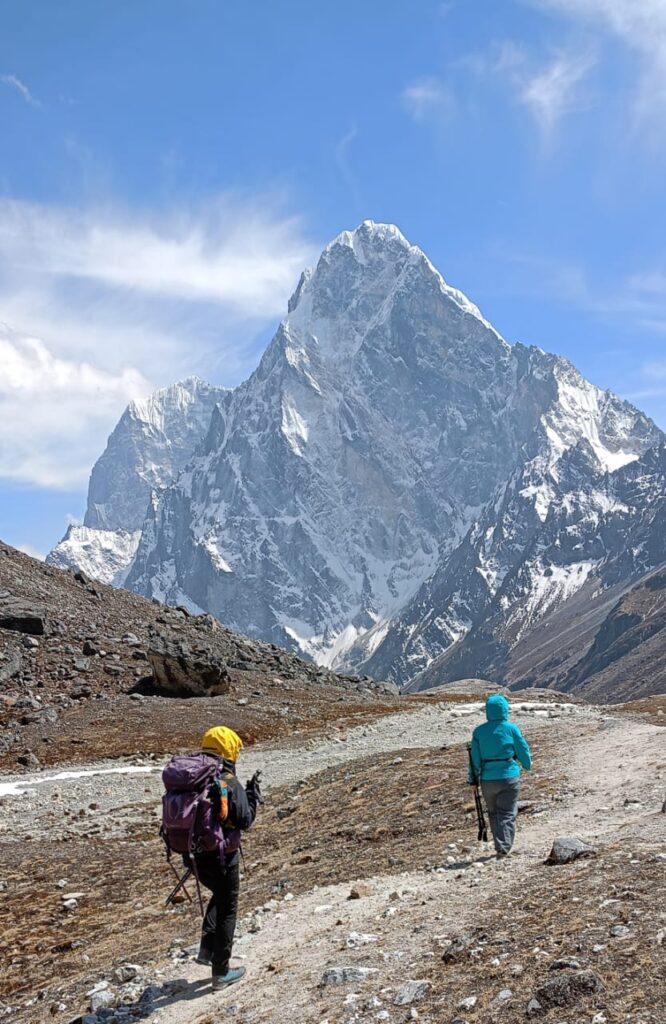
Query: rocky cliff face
383,482
600,534
153,441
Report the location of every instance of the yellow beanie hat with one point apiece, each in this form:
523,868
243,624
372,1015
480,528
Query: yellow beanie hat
223,742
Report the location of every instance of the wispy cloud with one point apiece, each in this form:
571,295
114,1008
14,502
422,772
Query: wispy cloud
245,260
343,160
553,91
20,87
548,87
101,305
426,97
641,25
639,296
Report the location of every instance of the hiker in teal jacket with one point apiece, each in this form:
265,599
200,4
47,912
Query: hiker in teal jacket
498,750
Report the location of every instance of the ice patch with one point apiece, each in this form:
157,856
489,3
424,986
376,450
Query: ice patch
17,787
294,427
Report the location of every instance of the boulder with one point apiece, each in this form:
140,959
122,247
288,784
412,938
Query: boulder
180,672
20,617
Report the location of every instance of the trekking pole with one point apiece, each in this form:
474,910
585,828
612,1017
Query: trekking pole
482,836
179,886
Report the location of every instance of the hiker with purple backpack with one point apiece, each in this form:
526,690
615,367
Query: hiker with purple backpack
204,810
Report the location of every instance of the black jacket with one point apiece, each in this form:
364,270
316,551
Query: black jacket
242,804
242,812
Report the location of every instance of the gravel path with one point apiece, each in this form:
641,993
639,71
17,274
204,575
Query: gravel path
123,794
608,762
613,768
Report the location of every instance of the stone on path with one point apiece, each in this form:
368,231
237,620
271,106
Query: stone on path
567,849
347,975
411,992
568,989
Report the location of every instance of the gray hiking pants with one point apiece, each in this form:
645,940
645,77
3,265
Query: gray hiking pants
501,796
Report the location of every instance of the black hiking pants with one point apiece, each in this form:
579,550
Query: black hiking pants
219,925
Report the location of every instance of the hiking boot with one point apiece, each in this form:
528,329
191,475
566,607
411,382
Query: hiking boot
222,981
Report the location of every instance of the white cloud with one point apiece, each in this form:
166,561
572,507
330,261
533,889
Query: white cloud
245,260
425,97
104,305
641,25
28,549
554,90
54,411
20,87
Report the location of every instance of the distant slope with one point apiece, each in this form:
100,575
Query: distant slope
628,657
568,572
89,670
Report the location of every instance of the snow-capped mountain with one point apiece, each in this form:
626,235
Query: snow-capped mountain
370,490
152,442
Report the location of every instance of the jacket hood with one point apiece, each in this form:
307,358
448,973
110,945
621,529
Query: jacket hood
497,708
223,742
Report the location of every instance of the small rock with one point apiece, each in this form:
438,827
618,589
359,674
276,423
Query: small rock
28,759
361,890
126,972
467,1004
567,849
150,994
101,999
534,1008
69,905
504,996
411,992
356,939
347,975
568,989
620,931
565,963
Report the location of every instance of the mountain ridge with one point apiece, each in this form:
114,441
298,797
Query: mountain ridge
316,503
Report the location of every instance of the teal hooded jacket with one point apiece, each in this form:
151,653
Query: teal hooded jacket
498,746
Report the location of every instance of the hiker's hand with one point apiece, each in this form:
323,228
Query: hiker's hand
252,786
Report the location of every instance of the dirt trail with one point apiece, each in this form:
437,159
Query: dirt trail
608,762
135,789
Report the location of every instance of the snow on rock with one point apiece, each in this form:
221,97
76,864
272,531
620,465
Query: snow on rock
391,474
105,555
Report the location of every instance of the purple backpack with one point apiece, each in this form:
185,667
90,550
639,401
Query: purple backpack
195,805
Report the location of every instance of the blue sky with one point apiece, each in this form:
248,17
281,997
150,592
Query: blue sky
169,168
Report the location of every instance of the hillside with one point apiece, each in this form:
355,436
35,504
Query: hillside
90,671
603,645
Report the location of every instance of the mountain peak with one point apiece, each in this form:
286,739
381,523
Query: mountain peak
370,230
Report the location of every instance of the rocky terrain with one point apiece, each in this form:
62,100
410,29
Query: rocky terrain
90,671
395,491
366,896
